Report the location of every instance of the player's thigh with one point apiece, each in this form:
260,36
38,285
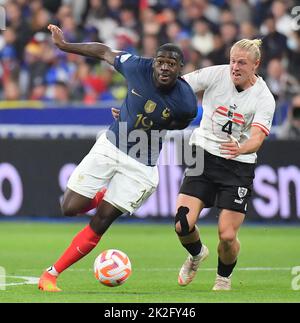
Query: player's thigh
229,224
127,193
73,202
91,175
200,187
191,207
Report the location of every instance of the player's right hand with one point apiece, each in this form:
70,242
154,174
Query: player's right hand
57,35
115,113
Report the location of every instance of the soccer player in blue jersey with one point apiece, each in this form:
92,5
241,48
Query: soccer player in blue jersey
124,158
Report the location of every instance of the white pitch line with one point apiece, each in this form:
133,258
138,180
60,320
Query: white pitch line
174,269
34,280
27,280
206,269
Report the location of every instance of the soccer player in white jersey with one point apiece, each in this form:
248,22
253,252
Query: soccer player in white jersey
237,115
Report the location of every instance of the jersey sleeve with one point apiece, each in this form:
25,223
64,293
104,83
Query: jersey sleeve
264,115
127,64
201,79
187,108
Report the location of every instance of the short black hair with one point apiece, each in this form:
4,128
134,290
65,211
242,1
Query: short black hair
169,47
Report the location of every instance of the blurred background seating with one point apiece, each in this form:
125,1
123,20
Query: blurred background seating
31,68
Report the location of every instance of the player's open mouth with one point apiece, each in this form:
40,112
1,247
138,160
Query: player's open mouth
164,78
236,74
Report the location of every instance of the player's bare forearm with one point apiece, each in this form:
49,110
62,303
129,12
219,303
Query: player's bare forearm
93,50
253,144
232,148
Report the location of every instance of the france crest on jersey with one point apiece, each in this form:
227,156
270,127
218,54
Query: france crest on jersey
147,110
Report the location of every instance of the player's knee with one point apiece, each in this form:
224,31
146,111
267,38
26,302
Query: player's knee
100,223
181,223
104,217
67,209
228,235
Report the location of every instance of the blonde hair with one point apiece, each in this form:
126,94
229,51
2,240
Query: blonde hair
250,45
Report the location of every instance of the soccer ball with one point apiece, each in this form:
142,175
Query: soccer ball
112,268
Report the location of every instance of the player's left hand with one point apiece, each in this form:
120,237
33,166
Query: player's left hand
57,35
230,149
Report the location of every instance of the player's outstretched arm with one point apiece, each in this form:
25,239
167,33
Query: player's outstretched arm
94,50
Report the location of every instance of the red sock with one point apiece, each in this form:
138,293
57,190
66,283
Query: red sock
95,201
85,241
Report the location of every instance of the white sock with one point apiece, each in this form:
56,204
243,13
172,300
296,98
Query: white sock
52,271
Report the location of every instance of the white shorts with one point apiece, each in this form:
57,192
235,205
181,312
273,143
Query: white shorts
129,183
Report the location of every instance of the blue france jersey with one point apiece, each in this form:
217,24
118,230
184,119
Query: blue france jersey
147,110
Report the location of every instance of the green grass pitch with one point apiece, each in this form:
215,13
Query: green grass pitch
263,273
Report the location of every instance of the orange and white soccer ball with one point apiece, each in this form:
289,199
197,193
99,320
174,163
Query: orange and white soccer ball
112,268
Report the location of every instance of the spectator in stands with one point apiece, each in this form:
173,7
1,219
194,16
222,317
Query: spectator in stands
128,19
183,40
34,68
291,127
149,45
217,56
247,30
283,20
229,33
226,16
40,20
60,92
38,92
241,10
8,55
150,25
203,39
11,91
294,54
172,31
282,85
20,26
275,43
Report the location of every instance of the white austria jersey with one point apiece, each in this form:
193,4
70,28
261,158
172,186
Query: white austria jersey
229,112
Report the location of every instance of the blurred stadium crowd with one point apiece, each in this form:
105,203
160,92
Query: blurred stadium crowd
32,68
